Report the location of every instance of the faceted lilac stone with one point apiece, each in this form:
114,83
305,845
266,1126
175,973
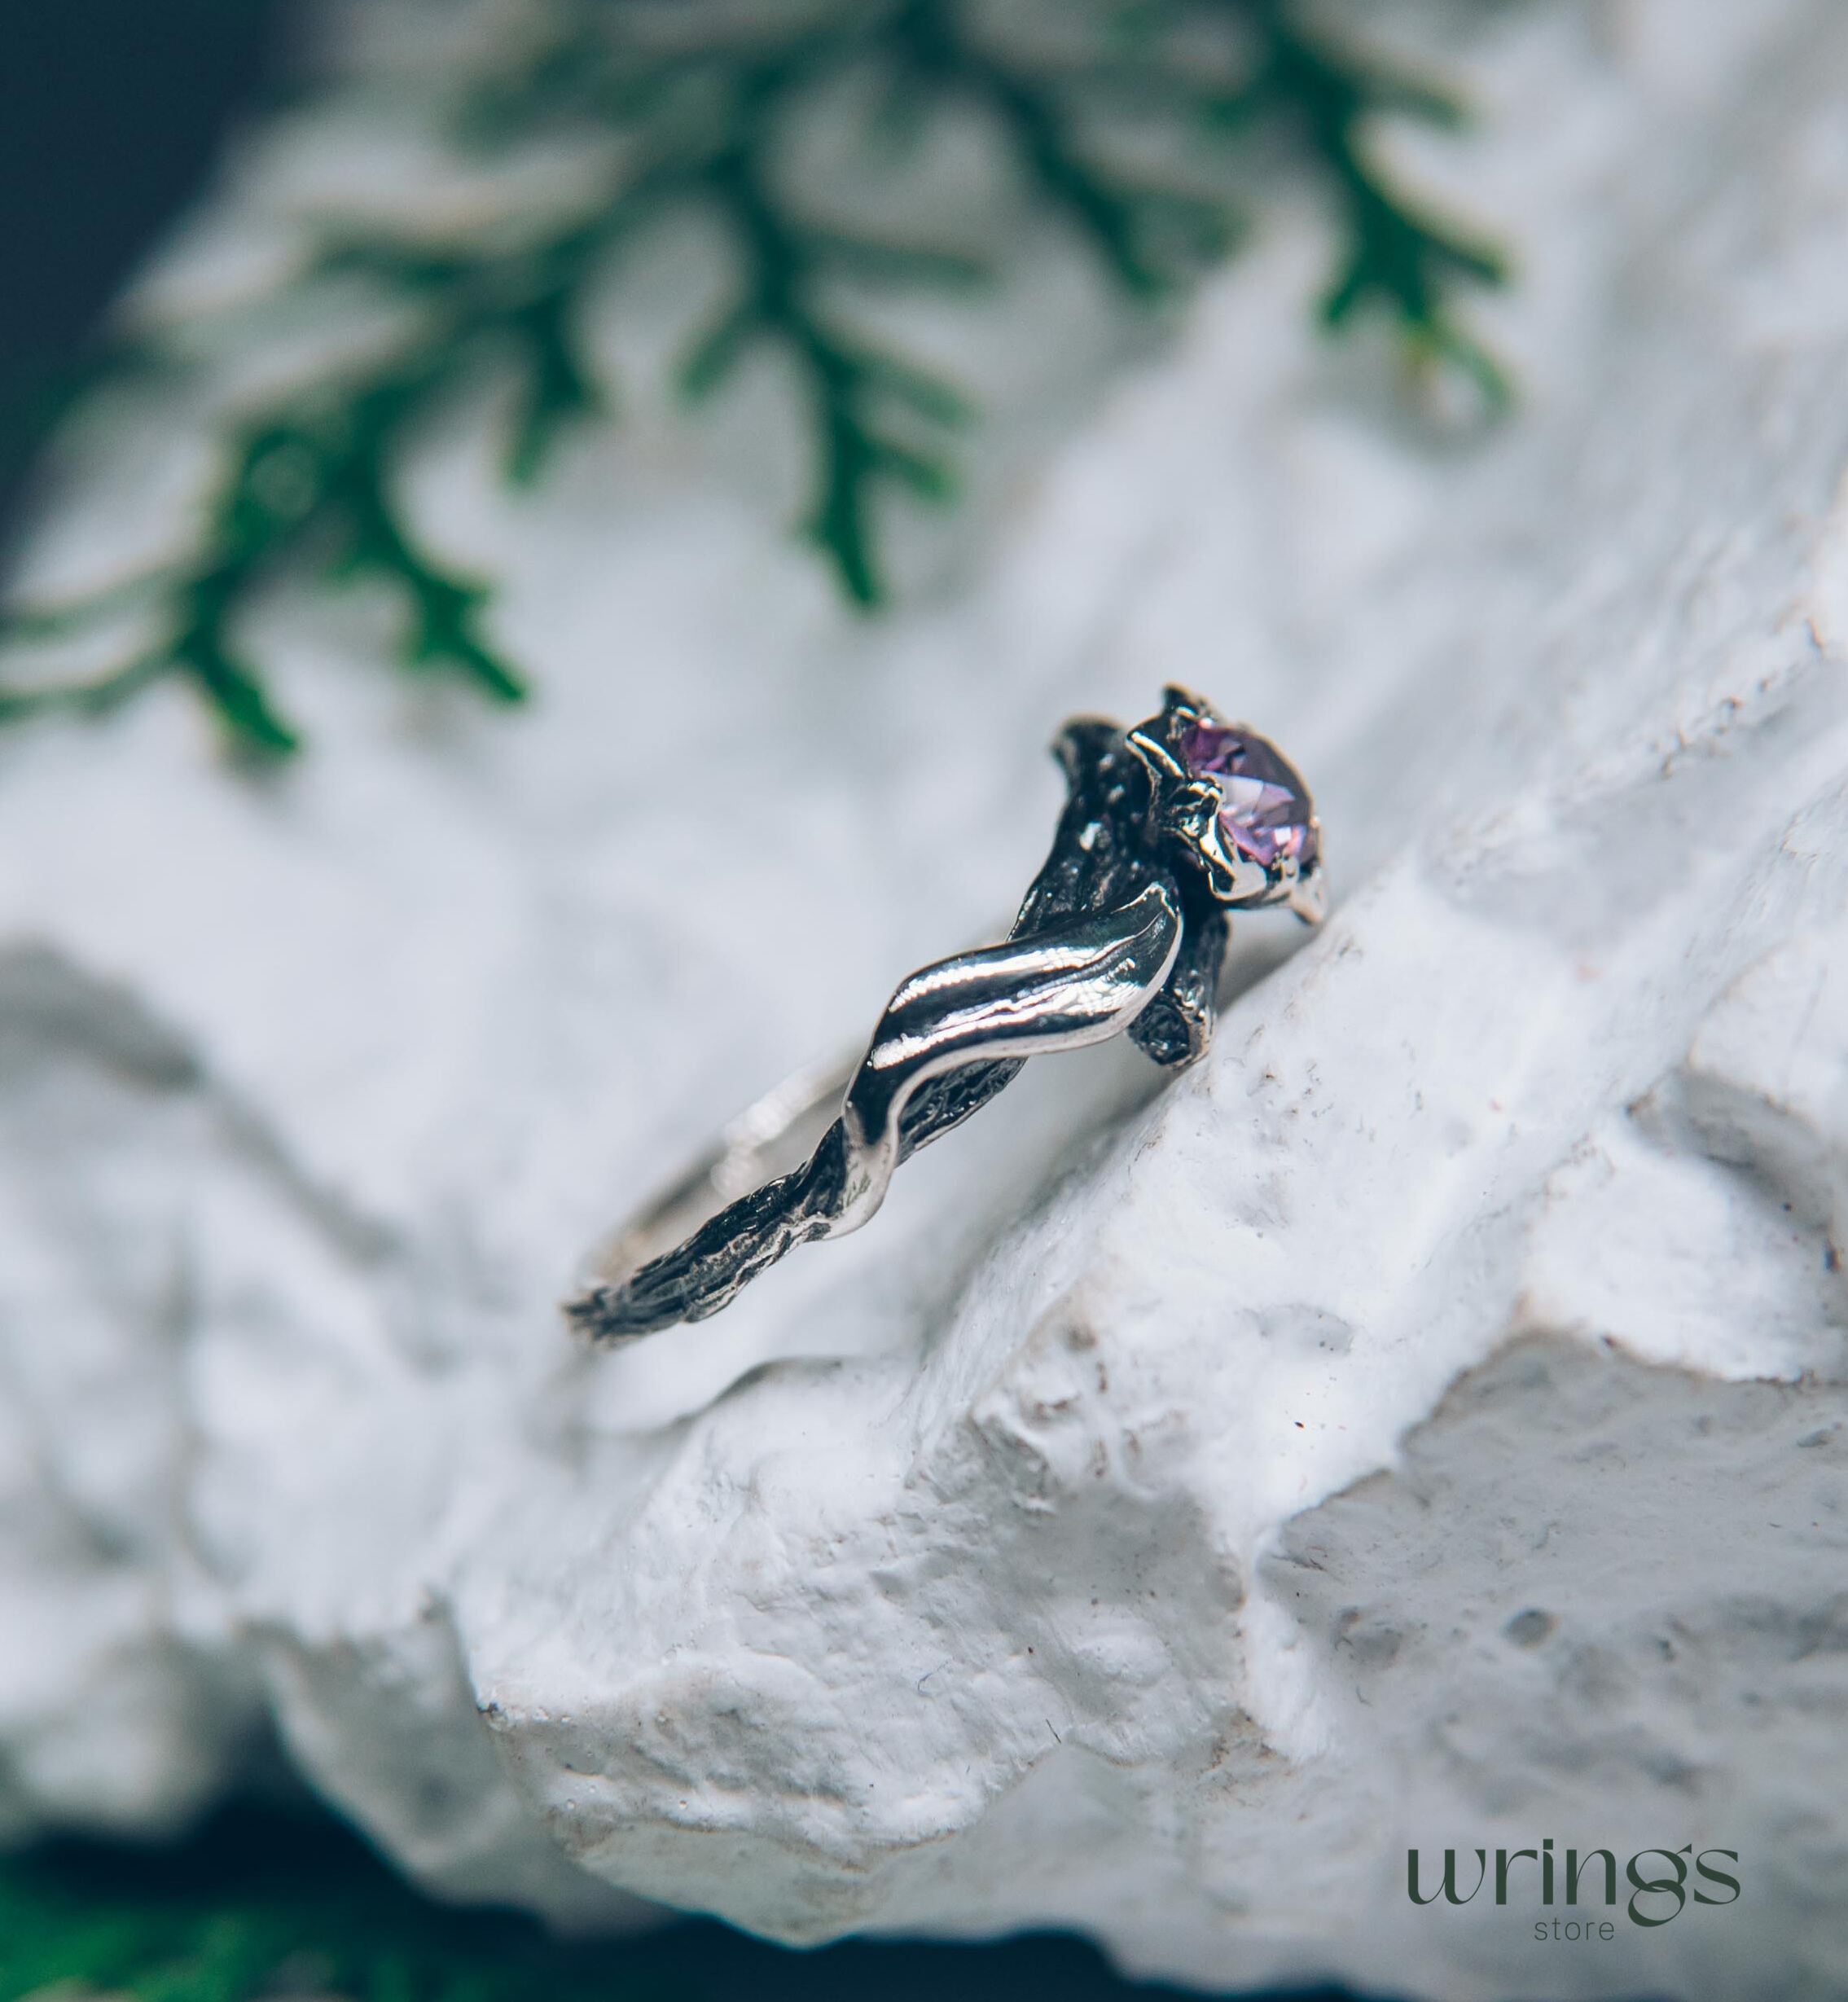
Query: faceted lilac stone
1264,806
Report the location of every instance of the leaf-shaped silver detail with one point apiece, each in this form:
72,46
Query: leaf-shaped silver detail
1078,982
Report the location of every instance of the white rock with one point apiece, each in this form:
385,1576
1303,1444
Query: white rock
1421,1425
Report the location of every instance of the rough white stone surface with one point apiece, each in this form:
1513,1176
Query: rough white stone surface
1423,1425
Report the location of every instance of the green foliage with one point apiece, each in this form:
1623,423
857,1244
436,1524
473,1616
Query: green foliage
1397,258
705,104
270,1904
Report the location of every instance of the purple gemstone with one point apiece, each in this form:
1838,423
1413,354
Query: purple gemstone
1264,806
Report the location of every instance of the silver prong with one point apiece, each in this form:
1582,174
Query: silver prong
1309,897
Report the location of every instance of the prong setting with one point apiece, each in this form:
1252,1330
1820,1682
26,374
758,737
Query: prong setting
1233,807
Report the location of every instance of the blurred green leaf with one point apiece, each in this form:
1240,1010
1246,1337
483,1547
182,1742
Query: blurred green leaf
266,1903
703,117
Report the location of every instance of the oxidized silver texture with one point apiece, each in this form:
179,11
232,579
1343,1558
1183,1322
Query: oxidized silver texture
1124,928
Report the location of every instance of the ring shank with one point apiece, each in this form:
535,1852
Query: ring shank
1120,932
773,1135
953,1034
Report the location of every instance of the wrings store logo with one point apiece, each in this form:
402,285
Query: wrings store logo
1658,1882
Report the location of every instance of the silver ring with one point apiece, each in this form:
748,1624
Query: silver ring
1166,828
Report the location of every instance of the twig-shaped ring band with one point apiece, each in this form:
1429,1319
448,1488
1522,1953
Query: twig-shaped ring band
1166,828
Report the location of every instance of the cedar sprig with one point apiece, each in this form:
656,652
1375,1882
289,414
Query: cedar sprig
313,474
700,105
1398,260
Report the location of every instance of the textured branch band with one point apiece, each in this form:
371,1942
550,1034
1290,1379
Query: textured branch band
1165,827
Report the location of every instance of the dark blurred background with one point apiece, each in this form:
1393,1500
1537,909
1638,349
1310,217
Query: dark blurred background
114,114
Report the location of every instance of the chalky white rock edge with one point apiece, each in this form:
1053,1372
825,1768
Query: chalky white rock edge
1422,1425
